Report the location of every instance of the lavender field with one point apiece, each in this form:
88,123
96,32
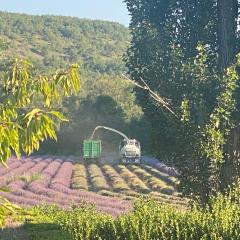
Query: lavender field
67,181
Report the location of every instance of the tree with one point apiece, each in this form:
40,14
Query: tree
228,48
25,122
27,115
227,32
175,48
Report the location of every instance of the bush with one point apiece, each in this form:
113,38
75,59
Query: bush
150,220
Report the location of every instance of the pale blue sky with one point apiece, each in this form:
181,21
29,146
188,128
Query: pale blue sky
111,10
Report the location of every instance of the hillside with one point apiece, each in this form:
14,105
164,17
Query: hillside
53,42
56,41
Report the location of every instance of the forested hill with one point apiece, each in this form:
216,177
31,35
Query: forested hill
55,41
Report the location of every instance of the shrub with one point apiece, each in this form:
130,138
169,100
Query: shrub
83,223
150,220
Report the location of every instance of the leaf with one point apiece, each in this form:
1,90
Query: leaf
59,115
31,114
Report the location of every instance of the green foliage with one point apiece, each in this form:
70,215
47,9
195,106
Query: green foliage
83,222
22,126
34,226
218,129
150,220
53,42
207,127
176,48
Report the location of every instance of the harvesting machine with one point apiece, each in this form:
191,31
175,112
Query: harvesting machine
129,149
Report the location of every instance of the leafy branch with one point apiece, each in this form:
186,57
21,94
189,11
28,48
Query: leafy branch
22,126
154,95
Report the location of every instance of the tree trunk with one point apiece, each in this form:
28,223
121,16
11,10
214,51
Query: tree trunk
227,31
230,170
227,42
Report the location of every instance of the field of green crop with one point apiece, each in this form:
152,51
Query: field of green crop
149,220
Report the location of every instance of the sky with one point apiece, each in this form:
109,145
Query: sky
110,10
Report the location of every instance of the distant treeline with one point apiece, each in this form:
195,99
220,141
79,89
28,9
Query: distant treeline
56,41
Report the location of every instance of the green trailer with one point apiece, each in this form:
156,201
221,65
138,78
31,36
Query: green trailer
92,149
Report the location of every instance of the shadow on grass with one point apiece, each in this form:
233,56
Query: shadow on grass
31,231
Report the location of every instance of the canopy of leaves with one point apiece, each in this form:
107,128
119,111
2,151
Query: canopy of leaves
22,125
57,41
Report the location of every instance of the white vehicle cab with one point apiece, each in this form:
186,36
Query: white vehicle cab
130,151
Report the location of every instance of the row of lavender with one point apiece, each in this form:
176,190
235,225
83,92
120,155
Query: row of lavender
53,186
160,165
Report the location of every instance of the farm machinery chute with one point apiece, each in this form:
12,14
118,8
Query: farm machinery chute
129,149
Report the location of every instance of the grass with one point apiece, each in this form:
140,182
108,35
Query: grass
30,224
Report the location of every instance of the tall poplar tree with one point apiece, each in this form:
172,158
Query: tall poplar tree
228,46
184,51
